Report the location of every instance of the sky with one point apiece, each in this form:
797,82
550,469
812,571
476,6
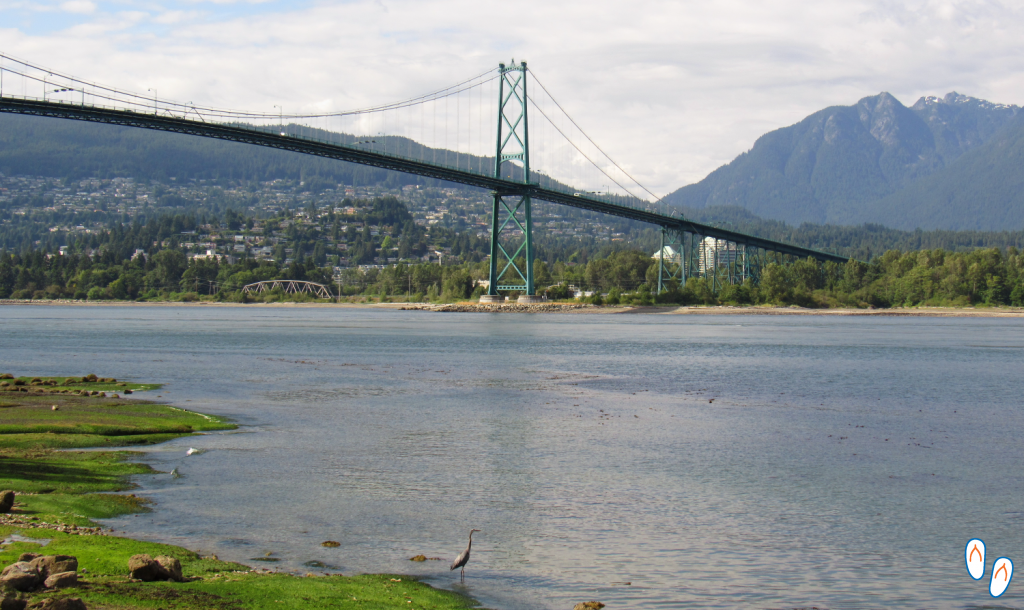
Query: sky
670,89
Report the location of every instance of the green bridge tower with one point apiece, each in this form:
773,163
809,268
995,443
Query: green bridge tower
511,264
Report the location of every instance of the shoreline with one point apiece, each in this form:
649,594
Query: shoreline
59,515
571,308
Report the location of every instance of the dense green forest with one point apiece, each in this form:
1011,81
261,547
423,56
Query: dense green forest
989,276
986,277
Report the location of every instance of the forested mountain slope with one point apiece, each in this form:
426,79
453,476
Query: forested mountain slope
60,148
880,162
981,190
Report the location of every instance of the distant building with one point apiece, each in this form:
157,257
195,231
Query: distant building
668,254
210,255
716,253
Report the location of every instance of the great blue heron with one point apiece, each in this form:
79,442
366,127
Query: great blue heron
463,558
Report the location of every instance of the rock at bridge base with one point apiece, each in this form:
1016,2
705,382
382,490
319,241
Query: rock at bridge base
588,606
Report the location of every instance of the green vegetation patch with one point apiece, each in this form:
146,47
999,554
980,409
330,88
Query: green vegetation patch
38,471
218,585
80,441
97,416
61,486
106,555
85,382
79,510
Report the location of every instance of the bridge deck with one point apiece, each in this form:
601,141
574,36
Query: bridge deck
352,154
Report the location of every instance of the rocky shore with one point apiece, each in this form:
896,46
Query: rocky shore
511,307
37,523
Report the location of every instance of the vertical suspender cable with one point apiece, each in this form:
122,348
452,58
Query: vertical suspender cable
458,125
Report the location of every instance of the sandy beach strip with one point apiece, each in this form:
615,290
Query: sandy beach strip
575,308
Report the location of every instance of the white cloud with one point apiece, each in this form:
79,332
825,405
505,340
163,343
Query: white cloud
176,17
228,1
671,89
83,7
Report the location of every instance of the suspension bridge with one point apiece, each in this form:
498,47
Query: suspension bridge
476,133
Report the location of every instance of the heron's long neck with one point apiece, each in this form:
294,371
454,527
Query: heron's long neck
470,540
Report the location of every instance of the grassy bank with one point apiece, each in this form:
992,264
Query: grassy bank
60,492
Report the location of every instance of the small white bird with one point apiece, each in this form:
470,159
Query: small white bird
191,450
174,474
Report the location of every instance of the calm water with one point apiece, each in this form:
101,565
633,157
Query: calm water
843,462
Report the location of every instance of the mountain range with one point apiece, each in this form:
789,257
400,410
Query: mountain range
944,163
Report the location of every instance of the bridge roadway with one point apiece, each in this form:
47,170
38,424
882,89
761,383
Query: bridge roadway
352,154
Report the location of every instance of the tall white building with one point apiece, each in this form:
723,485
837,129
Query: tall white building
716,253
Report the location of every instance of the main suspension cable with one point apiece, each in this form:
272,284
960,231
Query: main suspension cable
143,100
619,167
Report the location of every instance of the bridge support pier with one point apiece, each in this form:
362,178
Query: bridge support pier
492,298
530,299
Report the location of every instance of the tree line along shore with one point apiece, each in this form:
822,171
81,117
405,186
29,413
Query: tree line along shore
155,261
56,556
985,277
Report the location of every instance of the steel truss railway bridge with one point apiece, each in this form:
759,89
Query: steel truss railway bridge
689,249
289,287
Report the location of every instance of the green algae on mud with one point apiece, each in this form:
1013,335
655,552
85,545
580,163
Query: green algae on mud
36,420
60,492
64,486
217,585
10,383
